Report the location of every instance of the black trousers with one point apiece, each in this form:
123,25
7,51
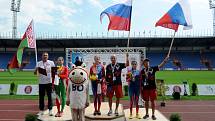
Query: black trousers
45,89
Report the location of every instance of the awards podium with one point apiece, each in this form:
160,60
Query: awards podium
123,114
66,115
104,110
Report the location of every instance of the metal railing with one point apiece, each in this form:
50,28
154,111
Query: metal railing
116,34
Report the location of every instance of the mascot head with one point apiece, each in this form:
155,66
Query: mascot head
78,75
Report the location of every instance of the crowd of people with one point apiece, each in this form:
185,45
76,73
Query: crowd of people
104,81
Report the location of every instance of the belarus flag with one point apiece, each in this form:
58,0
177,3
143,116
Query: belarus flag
28,41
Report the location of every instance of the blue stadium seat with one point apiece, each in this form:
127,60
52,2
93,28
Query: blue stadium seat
188,59
6,57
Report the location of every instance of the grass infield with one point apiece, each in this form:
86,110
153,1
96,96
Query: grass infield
170,77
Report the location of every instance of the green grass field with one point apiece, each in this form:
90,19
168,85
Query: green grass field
18,77
170,77
198,77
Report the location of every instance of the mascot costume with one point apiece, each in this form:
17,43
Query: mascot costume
78,91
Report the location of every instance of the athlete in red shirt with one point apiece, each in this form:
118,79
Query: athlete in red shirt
148,85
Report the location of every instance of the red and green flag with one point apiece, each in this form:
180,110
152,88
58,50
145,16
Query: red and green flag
28,41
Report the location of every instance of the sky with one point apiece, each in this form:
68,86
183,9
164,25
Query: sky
70,16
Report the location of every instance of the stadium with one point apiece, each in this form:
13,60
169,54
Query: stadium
191,67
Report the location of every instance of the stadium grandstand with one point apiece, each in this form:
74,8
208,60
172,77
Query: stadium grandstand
189,52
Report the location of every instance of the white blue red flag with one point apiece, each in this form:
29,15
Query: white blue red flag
119,16
179,14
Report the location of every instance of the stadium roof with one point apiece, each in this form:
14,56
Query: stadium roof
113,42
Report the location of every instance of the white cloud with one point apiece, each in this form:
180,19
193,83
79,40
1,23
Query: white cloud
66,11
5,16
70,2
79,2
191,1
119,1
200,1
42,11
5,27
96,3
65,15
38,10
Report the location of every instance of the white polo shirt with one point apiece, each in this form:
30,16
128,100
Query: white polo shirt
45,65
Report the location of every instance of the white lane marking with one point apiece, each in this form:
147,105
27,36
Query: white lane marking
192,112
19,110
11,119
19,104
191,105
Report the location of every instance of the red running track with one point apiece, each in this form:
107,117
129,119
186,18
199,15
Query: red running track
15,110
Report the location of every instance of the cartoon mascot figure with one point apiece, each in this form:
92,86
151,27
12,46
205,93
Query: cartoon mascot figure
78,92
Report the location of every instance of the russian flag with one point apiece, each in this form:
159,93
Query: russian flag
179,14
119,16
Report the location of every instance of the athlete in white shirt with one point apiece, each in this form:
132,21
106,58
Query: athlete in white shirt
45,82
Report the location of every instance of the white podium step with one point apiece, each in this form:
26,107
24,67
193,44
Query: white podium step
104,110
158,114
66,115
123,114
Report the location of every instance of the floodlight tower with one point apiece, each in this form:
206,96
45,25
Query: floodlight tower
15,8
212,6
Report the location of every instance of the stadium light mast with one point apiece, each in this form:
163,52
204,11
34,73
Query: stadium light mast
15,8
212,6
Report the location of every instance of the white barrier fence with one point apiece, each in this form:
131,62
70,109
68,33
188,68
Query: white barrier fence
170,88
27,90
34,89
4,89
206,89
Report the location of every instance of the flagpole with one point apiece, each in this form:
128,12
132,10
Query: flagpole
35,49
170,48
36,53
129,32
128,42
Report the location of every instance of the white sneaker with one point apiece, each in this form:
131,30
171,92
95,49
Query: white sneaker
109,113
40,113
50,113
